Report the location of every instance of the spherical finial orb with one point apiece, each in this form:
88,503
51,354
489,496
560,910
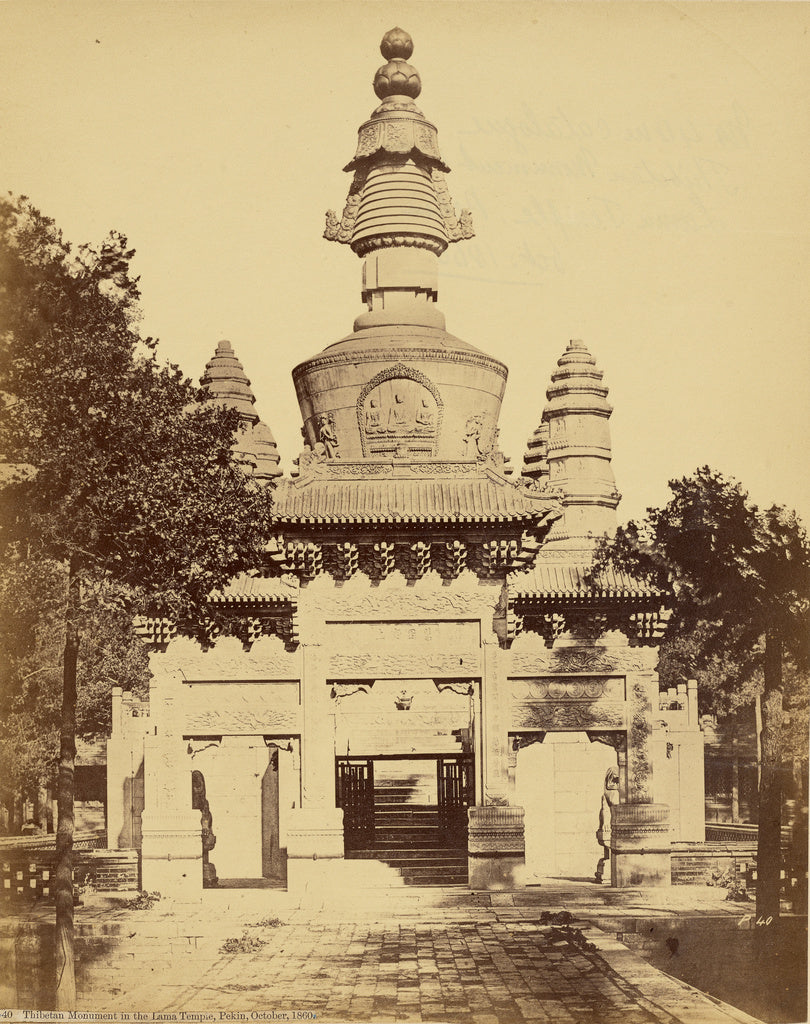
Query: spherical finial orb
396,43
397,78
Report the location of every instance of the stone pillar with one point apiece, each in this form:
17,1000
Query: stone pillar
171,844
640,844
496,846
640,847
315,830
495,701
496,836
117,772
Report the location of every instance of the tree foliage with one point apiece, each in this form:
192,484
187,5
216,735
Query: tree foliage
32,608
116,469
740,579
136,478
735,570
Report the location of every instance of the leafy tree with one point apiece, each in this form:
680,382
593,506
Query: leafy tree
118,469
32,608
741,582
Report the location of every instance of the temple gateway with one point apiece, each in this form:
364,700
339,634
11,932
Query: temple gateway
421,684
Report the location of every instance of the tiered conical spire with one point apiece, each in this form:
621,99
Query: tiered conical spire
571,450
399,214
227,384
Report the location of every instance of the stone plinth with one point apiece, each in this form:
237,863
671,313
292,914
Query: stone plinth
314,842
496,847
640,846
171,854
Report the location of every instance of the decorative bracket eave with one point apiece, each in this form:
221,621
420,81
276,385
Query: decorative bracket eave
643,627
248,620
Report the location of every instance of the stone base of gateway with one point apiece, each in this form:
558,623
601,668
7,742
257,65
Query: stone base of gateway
640,846
496,847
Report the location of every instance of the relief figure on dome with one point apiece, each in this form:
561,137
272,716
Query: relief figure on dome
399,416
394,410
327,437
425,417
373,417
472,437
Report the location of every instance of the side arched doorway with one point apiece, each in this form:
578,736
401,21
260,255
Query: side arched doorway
560,780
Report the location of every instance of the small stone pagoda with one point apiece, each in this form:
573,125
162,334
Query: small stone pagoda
421,684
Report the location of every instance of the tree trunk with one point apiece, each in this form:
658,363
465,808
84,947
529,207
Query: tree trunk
769,856
63,881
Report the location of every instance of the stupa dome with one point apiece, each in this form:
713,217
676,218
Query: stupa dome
400,386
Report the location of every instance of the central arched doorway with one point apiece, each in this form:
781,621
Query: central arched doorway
408,811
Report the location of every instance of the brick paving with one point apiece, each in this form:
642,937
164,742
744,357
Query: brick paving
393,955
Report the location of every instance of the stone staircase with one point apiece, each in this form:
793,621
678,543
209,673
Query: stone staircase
407,836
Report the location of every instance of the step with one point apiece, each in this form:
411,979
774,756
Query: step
427,837
421,863
400,813
422,873
442,879
395,807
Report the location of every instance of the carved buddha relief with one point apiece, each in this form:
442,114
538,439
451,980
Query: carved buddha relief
399,412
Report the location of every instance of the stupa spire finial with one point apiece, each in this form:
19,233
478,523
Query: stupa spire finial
397,77
398,216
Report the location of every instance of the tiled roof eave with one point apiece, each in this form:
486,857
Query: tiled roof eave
591,596
253,599
399,519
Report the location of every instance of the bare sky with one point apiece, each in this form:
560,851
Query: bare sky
638,176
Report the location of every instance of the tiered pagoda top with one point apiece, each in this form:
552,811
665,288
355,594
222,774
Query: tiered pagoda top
571,451
227,384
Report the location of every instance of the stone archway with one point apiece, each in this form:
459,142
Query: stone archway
560,783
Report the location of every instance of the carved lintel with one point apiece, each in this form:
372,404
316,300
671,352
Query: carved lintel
525,739
340,691
465,688
616,738
550,716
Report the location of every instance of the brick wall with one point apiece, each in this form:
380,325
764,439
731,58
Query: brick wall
693,865
108,870
27,875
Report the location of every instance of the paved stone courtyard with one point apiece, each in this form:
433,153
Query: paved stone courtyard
398,955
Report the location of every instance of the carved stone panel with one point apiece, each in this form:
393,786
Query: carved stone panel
399,412
606,660
464,637
567,688
408,602
560,717
240,708
396,664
